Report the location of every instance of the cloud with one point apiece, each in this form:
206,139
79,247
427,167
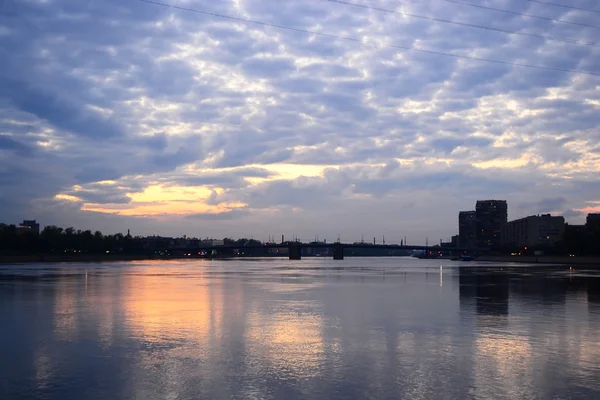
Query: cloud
227,215
137,109
545,205
572,213
58,111
8,144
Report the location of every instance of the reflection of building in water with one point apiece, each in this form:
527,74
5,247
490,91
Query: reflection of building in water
492,293
541,287
593,290
467,284
486,289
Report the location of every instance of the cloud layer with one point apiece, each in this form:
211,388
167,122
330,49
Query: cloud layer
121,114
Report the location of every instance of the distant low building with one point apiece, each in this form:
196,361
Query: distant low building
212,242
157,243
454,241
533,231
30,226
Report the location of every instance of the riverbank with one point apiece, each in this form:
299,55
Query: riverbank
58,258
563,260
82,258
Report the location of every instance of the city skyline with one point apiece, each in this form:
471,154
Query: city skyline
129,115
477,229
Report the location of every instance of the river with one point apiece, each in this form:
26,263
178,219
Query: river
362,328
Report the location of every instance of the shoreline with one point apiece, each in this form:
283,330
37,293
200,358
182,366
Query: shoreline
557,260
60,258
96,258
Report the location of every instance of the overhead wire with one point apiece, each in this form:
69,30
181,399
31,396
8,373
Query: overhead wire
465,24
561,21
564,6
358,40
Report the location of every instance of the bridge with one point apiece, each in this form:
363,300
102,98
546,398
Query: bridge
294,249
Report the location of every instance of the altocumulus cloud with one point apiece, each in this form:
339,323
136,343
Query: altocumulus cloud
120,114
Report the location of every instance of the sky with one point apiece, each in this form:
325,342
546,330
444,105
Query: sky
122,114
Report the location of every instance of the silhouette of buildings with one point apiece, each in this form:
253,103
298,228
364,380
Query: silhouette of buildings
535,230
467,229
211,242
482,228
592,222
491,216
593,219
30,226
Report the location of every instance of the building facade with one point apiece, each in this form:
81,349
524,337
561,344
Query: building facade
467,229
491,216
592,222
533,231
212,242
30,226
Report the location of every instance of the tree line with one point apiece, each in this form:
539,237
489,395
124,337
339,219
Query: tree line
53,239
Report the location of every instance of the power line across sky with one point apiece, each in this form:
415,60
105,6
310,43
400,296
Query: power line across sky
564,6
560,21
468,25
360,40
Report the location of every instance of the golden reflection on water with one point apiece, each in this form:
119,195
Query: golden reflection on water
65,313
43,368
290,343
198,323
164,305
504,363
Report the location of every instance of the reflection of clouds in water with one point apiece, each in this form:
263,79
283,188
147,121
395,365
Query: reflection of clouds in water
289,344
161,308
288,285
578,344
200,330
43,369
503,367
102,299
176,318
426,365
587,356
487,323
65,311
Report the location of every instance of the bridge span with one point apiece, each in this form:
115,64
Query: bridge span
294,249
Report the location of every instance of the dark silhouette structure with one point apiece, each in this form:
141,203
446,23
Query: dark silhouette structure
491,216
467,229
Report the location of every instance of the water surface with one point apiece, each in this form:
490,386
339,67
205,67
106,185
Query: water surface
362,328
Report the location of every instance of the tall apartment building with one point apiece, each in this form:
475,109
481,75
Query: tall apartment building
491,216
535,230
592,222
467,229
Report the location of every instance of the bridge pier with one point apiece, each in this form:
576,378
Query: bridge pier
294,251
338,251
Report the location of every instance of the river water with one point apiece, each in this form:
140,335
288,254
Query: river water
362,328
